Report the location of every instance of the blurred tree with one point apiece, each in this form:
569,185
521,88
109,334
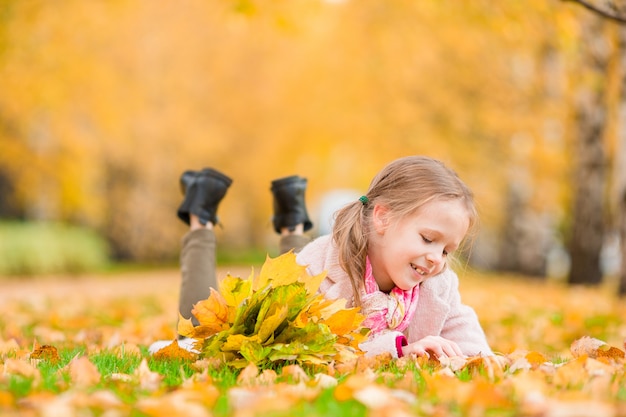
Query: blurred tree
587,236
620,162
588,228
108,102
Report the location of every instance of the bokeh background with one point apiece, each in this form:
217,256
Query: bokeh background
103,104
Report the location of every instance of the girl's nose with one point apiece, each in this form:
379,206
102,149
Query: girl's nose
434,257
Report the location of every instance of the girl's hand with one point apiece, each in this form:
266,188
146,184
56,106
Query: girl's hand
432,345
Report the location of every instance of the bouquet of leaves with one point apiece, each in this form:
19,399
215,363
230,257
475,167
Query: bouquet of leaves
275,316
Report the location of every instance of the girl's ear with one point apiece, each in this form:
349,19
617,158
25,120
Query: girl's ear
380,218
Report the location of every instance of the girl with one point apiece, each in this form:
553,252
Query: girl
388,253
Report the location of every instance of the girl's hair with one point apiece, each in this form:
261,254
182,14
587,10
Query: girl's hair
403,186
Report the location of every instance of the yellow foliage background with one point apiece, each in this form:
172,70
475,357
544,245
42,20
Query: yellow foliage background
105,104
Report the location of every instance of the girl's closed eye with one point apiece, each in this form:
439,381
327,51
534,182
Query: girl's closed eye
426,240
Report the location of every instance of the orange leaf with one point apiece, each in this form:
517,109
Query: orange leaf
83,372
174,351
6,399
20,367
247,377
8,346
535,358
594,348
46,352
294,374
148,380
185,327
212,313
344,321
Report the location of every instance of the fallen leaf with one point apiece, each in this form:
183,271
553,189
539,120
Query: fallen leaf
178,403
595,348
248,375
22,368
294,374
83,372
148,380
174,351
46,352
6,399
212,313
8,346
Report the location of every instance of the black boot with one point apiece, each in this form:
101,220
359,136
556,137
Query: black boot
289,207
203,192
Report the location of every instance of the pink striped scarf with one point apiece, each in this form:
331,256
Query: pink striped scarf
386,311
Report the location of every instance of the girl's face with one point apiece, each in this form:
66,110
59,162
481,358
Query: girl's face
407,251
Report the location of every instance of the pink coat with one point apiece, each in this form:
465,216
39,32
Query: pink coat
440,311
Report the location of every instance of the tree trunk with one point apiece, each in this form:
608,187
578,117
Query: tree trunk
590,111
620,163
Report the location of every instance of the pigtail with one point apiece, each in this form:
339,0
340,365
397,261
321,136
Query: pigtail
350,237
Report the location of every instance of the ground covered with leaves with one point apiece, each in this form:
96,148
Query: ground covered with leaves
78,347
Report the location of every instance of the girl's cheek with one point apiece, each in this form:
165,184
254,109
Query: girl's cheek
440,269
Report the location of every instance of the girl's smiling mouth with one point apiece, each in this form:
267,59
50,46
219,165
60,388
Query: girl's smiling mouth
421,271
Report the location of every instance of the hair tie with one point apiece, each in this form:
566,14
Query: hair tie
363,199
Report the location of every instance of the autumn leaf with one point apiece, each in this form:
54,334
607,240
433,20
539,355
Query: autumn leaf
248,375
344,321
174,351
253,351
46,352
8,346
212,313
185,327
148,379
23,368
283,270
83,372
595,348
277,316
234,290
270,324
234,342
535,358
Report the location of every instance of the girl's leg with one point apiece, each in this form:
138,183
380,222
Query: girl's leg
203,192
290,218
293,239
198,269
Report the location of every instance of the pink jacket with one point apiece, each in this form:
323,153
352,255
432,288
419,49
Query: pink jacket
439,309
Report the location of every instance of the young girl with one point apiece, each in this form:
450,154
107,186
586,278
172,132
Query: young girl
388,253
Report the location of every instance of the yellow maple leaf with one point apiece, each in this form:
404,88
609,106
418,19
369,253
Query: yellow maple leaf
212,314
326,308
233,342
235,290
271,322
344,321
312,282
185,327
284,270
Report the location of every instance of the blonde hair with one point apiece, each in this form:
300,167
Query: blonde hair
403,186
